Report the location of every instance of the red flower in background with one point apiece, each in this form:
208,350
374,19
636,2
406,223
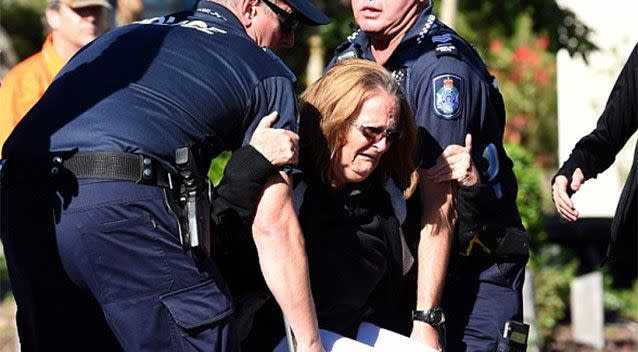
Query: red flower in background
522,53
525,57
496,46
542,42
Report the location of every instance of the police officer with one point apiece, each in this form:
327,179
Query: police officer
461,117
91,241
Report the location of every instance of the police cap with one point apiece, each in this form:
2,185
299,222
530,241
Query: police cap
308,13
76,4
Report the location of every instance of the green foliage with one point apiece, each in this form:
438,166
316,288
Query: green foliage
551,288
337,31
623,301
217,166
4,271
24,25
529,191
5,285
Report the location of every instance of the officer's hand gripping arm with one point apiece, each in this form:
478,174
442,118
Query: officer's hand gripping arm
455,164
278,145
245,175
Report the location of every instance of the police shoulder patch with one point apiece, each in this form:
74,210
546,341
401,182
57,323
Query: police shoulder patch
448,90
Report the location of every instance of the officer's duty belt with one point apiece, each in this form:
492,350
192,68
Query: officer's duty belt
89,165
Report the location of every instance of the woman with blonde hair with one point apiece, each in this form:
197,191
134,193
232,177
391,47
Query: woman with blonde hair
357,95
356,135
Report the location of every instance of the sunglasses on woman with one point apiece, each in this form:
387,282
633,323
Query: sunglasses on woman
376,133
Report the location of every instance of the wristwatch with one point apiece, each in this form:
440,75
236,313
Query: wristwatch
434,316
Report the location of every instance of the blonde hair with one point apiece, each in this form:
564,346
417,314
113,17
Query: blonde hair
328,107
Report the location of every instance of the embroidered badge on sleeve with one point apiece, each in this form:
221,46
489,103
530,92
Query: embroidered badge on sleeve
447,95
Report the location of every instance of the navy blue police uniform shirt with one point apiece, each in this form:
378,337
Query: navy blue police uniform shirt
451,93
445,82
189,78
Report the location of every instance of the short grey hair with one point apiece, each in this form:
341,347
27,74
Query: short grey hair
224,2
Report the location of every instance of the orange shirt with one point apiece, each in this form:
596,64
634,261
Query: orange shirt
23,86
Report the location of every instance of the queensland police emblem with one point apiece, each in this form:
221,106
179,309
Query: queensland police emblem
447,95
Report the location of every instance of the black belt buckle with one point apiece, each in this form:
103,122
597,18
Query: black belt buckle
152,173
148,171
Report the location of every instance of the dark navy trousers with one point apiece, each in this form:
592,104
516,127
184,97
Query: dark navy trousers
98,266
479,298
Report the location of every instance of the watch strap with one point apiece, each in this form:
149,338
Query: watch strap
434,316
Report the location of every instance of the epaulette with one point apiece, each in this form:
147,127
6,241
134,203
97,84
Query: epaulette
347,49
281,64
444,45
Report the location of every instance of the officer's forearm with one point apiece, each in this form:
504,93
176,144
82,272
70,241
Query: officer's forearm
439,217
283,261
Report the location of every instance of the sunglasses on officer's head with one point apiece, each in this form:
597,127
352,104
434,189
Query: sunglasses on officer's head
288,21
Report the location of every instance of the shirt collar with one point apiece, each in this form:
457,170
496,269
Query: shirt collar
417,33
421,28
53,60
219,13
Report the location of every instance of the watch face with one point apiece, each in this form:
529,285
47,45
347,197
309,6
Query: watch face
435,316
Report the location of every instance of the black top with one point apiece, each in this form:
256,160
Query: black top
595,152
354,251
354,254
190,78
